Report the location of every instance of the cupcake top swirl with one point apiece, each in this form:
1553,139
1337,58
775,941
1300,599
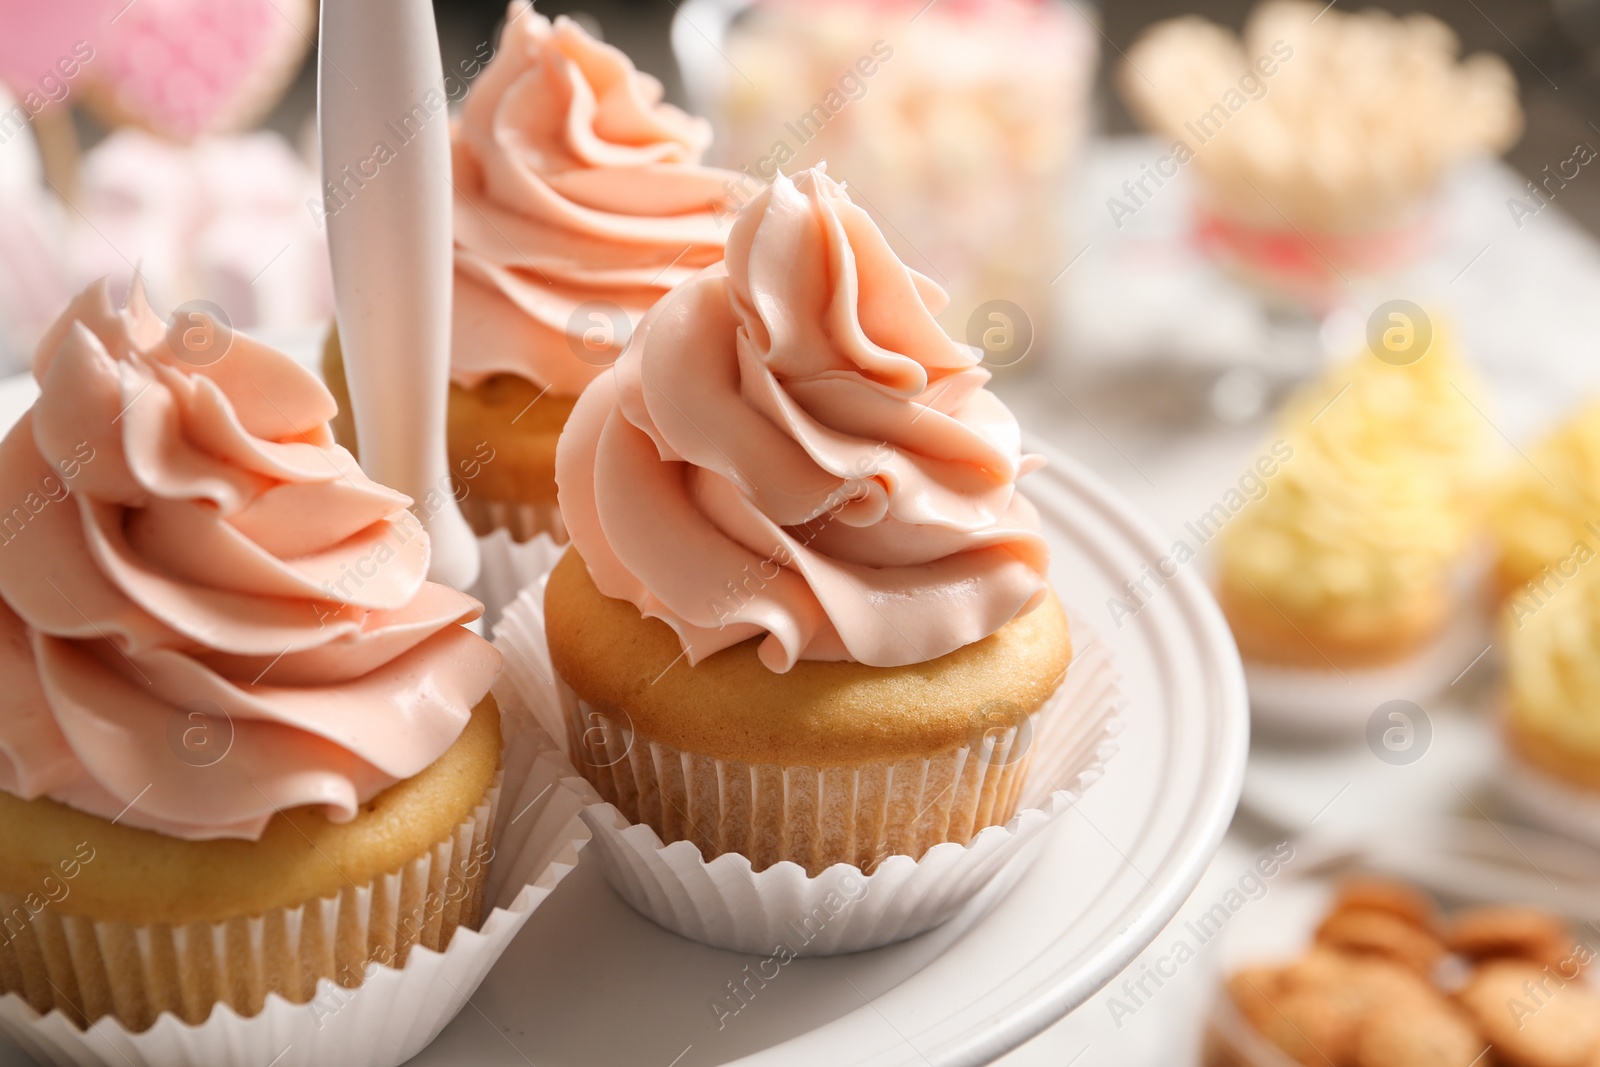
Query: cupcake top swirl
580,200
1376,502
210,614
791,446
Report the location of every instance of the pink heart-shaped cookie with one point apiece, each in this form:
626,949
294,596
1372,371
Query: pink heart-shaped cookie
39,39
184,68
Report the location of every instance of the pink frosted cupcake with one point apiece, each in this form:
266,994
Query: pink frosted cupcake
580,201
245,745
805,613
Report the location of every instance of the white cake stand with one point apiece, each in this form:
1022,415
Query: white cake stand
589,981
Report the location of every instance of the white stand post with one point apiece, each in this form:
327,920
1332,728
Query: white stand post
385,142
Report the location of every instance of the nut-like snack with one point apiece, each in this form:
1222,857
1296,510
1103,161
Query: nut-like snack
1533,1018
1382,934
1508,932
1254,990
1408,1034
1388,982
1381,894
1310,1028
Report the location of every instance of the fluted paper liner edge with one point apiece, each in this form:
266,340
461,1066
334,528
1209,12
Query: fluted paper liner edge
394,1012
727,904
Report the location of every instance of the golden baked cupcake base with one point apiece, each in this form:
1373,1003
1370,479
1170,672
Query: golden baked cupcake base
137,923
1567,764
833,762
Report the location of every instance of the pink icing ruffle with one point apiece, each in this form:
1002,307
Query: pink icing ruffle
574,184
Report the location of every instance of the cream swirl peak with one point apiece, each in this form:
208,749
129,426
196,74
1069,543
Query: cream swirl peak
790,445
575,185
210,613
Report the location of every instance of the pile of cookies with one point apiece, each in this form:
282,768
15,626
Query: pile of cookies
1389,981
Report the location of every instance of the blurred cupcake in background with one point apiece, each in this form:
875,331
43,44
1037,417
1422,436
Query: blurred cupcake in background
580,200
958,123
1545,518
1320,137
1552,709
177,188
1353,556
222,219
188,69
35,272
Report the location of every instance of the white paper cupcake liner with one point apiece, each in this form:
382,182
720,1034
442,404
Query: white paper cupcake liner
507,564
1313,703
91,969
522,521
395,1011
814,817
728,904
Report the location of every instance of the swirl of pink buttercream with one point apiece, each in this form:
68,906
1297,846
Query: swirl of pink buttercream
576,187
792,446
183,548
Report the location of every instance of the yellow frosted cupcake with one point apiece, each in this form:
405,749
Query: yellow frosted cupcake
1545,518
1351,557
804,616
245,746
1552,718
580,200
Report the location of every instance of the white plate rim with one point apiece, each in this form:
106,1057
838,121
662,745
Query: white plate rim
993,1035
987,1031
